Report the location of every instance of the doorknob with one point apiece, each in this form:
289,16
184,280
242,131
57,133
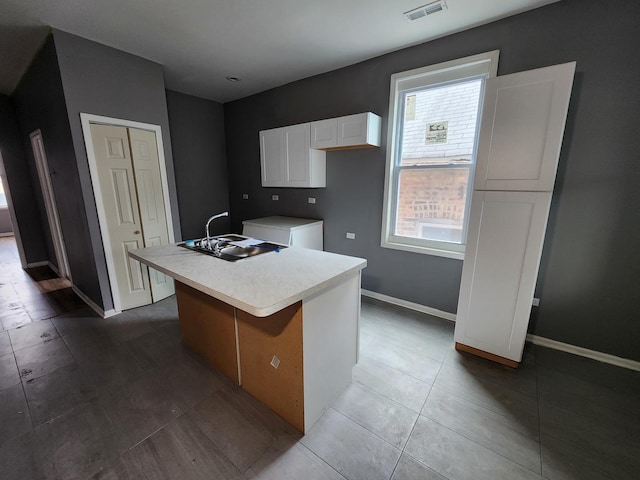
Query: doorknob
137,232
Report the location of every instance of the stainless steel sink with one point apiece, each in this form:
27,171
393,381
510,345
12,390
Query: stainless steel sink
242,252
221,247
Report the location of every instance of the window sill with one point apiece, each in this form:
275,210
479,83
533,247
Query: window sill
437,252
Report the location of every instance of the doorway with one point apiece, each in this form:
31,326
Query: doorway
48,195
6,202
128,175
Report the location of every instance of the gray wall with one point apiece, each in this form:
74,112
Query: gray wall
103,81
5,221
590,273
21,177
197,138
40,104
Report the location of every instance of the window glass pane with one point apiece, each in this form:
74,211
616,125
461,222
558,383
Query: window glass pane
434,120
440,124
431,203
3,197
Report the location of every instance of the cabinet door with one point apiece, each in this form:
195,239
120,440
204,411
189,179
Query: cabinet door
522,127
506,233
287,160
308,236
272,159
297,162
324,133
352,130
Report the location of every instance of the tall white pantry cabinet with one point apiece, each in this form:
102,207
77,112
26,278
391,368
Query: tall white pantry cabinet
521,132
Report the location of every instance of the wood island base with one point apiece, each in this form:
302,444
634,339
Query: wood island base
461,347
296,361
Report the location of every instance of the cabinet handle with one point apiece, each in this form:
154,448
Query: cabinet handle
137,232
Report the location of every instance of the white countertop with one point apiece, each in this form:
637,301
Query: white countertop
260,285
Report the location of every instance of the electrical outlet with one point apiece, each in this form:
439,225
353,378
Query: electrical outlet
275,197
536,302
351,236
245,196
312,200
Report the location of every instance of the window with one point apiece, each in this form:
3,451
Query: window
3,196
434,120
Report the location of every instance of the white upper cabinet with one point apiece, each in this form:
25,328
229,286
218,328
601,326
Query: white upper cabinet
523,155
361,130
287,159
294,156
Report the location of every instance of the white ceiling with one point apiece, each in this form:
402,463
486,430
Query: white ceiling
266,43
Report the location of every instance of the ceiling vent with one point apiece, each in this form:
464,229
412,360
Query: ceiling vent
424,10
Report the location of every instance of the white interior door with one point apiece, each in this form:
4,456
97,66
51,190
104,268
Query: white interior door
118,190
521,131
144,152
44,175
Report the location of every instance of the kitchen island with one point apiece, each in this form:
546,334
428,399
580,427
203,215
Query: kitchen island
283,325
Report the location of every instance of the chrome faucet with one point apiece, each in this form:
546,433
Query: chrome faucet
206,227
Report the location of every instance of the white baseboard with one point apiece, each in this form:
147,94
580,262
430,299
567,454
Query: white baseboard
410,305
536,340
584,352
38,264
54,268
92,304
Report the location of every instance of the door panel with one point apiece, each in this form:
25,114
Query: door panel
146,196
324,133
522,127
272,157
117,186
297,141
159,281
122,188
136,272
506,234
352,130
144,153
520,138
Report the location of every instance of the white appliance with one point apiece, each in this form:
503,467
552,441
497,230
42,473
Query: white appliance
521,134
297,232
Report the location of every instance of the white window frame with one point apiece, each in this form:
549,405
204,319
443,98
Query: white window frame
484,64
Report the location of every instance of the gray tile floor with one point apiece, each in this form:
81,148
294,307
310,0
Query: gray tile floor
83,397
